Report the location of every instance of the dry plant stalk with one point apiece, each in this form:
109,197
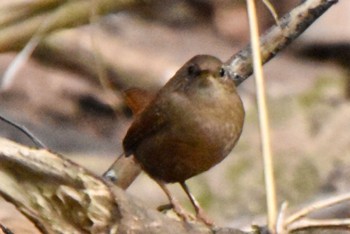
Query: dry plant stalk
326,224
272,10
263,118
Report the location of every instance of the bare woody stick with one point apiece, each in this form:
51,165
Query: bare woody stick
277,38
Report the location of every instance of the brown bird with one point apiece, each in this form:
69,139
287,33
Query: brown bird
188,127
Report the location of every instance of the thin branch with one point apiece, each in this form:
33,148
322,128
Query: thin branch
25,131
277,38
26,52
19,61
5,229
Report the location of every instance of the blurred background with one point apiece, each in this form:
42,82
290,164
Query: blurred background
59,95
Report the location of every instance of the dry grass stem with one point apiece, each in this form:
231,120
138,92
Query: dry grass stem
280,228
263,118
316,206
272,10
307,224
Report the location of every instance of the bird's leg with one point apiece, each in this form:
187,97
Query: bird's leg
174,203
201,215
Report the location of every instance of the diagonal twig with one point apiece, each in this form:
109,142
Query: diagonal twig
291,25
25,131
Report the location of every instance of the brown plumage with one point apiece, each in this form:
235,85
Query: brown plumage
188,127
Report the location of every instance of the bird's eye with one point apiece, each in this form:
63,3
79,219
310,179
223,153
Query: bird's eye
193,70
222,72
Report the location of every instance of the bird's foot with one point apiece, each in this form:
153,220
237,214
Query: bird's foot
179,211
185,216
200,214
203,217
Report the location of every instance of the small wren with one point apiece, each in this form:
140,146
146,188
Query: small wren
191,125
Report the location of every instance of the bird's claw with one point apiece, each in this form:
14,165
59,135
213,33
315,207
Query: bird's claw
202,216
179,211
185,216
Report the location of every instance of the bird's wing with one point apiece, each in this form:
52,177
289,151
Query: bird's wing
146,123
